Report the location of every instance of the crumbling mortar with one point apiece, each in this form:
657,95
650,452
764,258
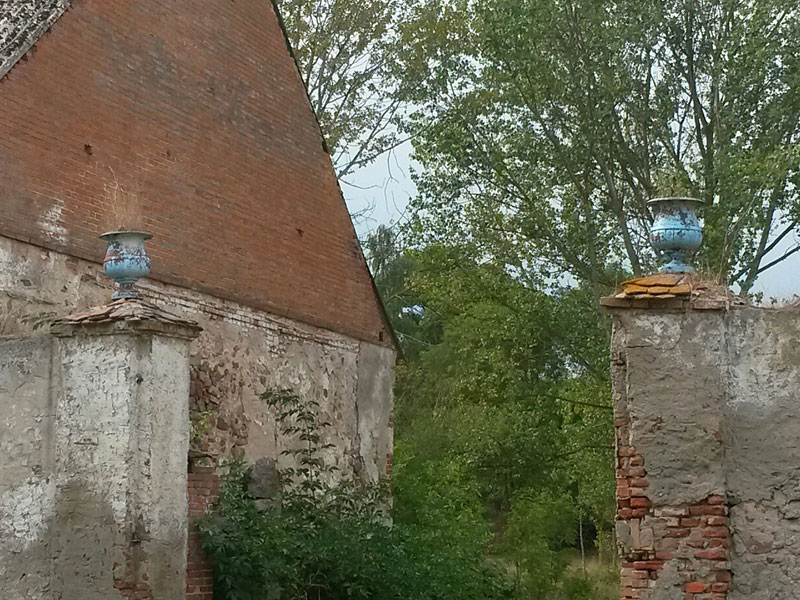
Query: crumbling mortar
685,537
248,318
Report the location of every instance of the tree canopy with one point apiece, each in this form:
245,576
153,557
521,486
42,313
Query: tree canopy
541,128
544,126
347,52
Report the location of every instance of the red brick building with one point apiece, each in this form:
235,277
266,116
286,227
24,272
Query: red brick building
189,120
199,109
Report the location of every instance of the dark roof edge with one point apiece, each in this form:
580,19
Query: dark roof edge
26,39
381,306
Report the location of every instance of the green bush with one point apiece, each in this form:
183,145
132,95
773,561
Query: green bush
328,541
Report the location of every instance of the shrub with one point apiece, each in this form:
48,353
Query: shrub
326,540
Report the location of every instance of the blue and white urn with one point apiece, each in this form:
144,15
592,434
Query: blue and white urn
126,261
676,231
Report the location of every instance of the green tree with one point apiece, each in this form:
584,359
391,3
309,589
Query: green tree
507,400
347,54
327,540
392,268
545,125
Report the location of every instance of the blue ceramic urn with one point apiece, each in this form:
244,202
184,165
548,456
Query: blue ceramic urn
126,261
676,231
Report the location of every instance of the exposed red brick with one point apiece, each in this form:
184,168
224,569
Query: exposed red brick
713,554
704,509
133,583
699,530
203,491
198,107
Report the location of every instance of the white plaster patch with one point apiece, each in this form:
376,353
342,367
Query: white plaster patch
50,223
12,270
662,331
763,359
749,386
24,512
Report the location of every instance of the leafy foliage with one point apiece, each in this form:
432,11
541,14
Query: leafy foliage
199,428
326,540
502,413
545,125
347,54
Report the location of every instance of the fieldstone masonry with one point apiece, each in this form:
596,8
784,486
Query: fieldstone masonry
707,425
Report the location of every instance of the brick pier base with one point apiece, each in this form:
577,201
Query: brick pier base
687,544
203,494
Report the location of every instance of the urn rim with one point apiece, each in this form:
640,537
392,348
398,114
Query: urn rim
144,235
665,199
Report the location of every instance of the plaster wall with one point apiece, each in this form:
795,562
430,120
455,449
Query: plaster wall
709,401
27,485
240,353
122,434
93,493
762,452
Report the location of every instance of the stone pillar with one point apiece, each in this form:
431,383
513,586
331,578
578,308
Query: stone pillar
672,525
27,493
707,425
121,442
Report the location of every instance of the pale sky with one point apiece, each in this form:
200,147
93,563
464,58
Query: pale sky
384,189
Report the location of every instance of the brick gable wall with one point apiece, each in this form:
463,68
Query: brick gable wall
197,107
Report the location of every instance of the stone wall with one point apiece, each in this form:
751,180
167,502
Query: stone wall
240,353
708,443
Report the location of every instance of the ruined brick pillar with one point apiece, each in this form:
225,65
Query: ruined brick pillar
707,420
672,526
203,495
120,443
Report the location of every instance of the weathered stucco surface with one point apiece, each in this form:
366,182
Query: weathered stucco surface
762,452
675,394
239,354
27,487
711,398
121,439
93,493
